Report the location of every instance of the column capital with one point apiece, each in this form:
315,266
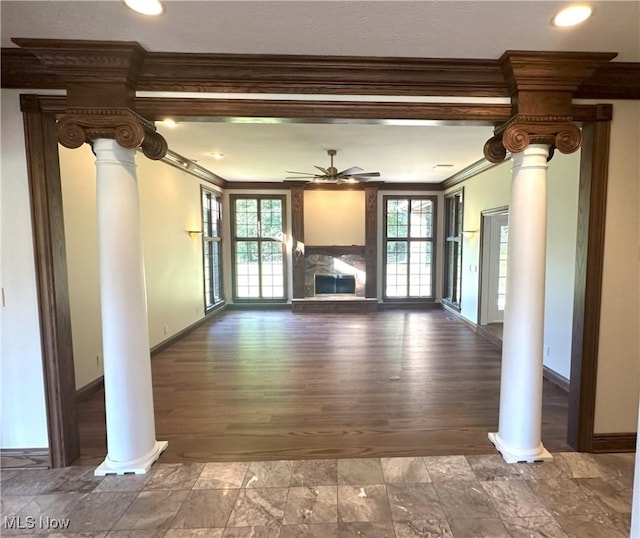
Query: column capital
130,130
558,132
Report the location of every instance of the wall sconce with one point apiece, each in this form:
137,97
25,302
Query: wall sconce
194,233
299,249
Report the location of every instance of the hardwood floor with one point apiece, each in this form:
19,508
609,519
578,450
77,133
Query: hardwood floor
263,385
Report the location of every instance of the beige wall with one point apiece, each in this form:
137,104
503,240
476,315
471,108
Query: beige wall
169,205
334,217
618,368
491,190
562,227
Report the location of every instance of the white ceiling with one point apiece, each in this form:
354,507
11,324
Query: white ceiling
265,152
435,29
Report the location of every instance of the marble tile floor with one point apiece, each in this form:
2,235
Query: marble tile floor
575,495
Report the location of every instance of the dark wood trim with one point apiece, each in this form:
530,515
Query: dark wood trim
410,305
470,171
613,81
558,380
257,185
335,250
45,192
88,390
614,442
432,240
443,113
297,233
300,306
371,241
323,111
233,239
24,458
215,311
488,335
38,65
592,212
479,329
284,185
192,168
273,305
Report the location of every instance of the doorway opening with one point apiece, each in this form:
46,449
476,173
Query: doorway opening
494,230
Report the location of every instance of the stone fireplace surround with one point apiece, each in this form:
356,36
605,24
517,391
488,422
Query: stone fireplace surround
334,260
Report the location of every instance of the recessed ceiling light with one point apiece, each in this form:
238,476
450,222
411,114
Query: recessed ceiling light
168,122
216,155
572,15
146,7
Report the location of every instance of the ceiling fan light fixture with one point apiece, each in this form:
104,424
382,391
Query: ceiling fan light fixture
146,7
572,16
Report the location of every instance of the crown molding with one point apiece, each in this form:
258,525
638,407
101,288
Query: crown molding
40,63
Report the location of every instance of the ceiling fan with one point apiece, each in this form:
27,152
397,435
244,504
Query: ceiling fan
331,174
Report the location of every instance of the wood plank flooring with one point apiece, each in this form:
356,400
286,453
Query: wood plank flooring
264,385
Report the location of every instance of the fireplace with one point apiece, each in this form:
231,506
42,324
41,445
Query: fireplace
343,267
332,284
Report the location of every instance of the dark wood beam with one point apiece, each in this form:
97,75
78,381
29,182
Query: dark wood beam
290,74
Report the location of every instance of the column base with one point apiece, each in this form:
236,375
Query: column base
137,466
515,455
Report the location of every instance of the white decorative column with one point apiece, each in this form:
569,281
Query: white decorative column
519,433
131,442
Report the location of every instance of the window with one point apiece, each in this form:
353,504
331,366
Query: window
454,211
212,255
409,250
259,250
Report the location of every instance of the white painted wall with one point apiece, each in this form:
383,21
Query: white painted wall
22,403
618,369
170,205
492,189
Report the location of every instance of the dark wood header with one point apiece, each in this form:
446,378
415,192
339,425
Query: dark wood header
334,250
258,73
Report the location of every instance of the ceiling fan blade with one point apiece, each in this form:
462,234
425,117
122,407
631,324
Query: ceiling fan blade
366,174
323,170
301,177
350,171
303,173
